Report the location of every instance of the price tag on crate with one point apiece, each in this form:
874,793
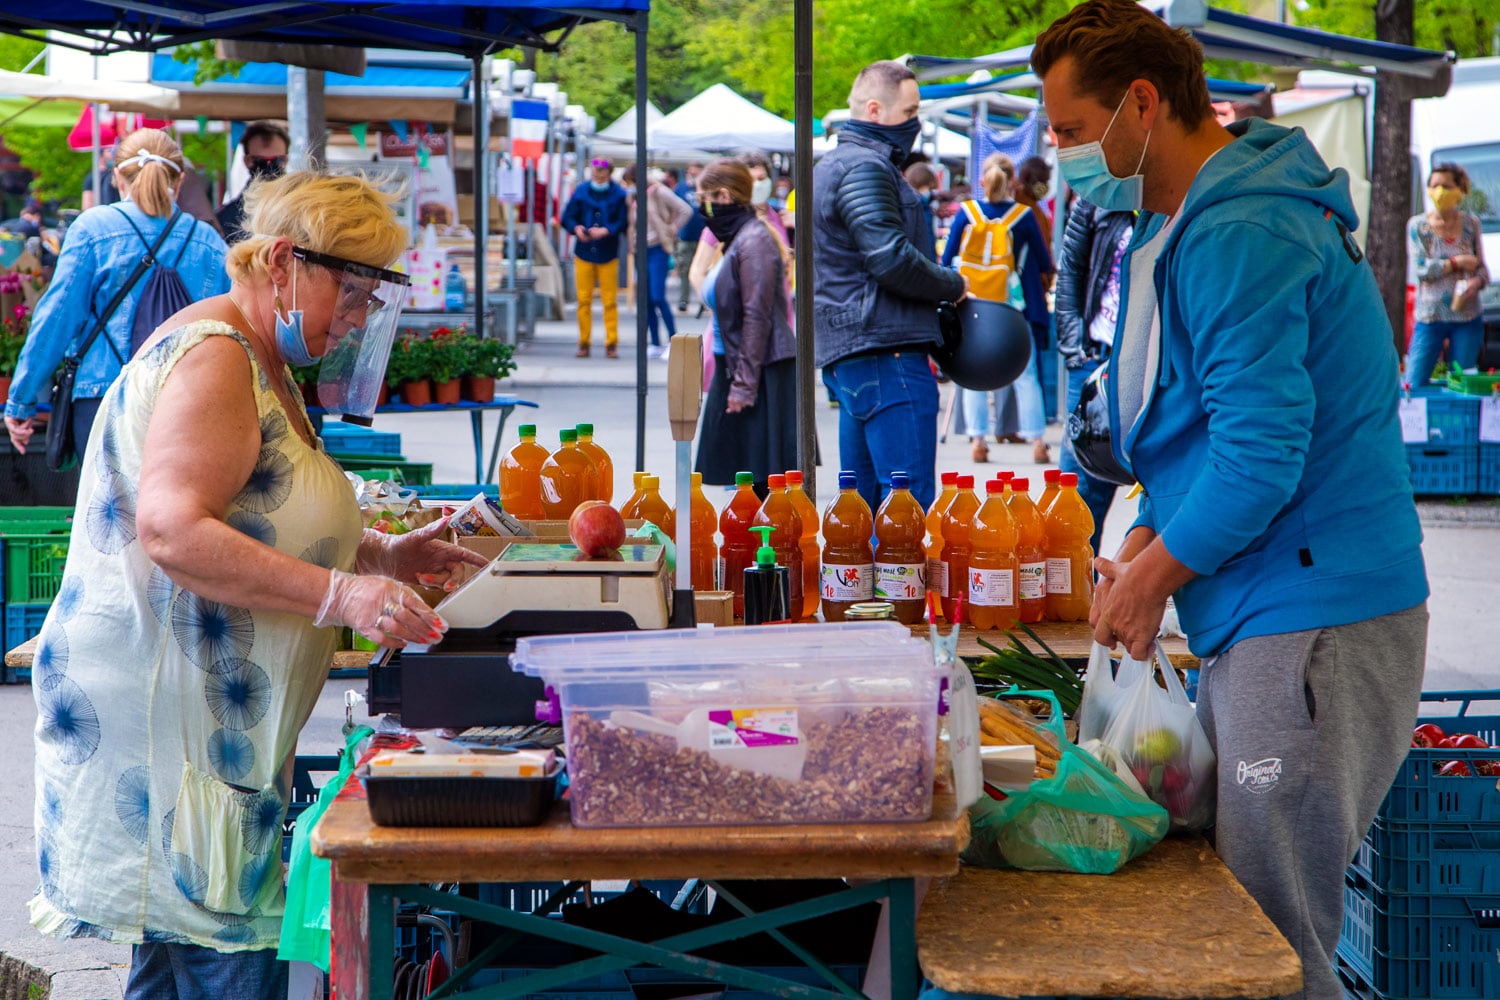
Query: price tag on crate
1413,420
1489,419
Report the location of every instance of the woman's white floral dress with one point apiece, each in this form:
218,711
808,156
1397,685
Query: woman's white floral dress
167,723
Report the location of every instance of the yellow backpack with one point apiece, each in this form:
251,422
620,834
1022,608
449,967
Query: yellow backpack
987,255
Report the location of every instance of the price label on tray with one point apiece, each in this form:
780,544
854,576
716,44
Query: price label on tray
1413,414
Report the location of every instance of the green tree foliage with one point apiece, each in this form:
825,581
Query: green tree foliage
60,171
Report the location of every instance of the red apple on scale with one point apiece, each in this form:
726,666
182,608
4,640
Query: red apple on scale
596,528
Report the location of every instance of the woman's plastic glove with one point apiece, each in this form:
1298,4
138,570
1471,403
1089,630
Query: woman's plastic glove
420,556
380,609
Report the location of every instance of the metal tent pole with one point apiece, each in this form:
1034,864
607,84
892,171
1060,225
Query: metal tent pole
641,23
481,189
807,428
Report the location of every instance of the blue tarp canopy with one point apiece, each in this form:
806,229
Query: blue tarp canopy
445,81
1227,35
474,28
1219,90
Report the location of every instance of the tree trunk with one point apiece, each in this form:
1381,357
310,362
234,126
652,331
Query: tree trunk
1390,194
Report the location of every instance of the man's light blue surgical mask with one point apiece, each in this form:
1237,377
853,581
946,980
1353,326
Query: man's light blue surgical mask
1087,172
290,340
597,186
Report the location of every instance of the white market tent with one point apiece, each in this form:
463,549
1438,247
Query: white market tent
622,129
721,120
617,140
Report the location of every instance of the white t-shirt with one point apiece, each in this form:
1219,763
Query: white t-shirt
1102,328
1140,335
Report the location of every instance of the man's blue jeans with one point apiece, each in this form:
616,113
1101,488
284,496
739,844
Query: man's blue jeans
1095,492
190,972
888,406
1464,340
658,264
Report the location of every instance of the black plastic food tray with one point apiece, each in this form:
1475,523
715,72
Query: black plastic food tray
460,801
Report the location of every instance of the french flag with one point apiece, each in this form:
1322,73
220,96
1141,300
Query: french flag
528,129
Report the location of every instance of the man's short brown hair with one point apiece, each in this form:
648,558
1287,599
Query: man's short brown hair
1113,42
880,81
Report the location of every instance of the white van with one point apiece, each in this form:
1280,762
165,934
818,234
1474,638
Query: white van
1463,127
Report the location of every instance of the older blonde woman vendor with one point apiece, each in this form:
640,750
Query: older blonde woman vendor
215,543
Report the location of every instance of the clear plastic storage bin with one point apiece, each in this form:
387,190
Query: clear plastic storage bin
773,724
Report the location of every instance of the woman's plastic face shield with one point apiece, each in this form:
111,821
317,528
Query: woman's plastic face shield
361,330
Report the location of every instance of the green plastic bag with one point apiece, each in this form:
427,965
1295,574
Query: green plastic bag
1083,819
305,924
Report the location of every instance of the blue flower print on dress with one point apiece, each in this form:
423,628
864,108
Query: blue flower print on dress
111,515
47,864
270,483
69,597
152,936
159,593
191,879
109,449
256,526
167,823
324,552
51,658
51,805
133,801
272,427
208,631
231,755
236,935
238,693
261,823
67,720
255,877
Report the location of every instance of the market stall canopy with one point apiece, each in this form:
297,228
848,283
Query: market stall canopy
389,89
477,27
622,129
1227,35
126,97
721,120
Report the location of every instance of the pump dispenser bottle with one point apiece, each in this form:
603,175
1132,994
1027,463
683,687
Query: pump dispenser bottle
768,587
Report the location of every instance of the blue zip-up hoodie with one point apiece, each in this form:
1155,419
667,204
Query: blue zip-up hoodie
98,254
589,208
1269,445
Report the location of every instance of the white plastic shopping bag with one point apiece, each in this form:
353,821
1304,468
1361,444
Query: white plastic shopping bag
1156,730
1104,689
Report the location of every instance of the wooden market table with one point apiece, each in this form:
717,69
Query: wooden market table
1173,924
1069,640
476,412
374,866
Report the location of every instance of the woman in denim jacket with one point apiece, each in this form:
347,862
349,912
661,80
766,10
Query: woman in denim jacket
101,249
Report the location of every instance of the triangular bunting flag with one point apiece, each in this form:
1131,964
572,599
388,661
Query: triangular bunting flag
358,130
398,126
422,157
202,124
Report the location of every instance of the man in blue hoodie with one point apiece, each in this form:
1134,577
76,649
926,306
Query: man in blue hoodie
1276,500
596,215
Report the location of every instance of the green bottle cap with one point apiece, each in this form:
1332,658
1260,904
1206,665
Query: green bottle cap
585,430
567,434
765,555
744,479
528,430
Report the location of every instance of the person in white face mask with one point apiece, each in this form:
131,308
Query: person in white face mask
1277,505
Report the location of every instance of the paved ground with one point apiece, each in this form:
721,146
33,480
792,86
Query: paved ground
1462,548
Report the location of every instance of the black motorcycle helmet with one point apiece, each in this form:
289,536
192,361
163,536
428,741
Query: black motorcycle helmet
1089,432
986,345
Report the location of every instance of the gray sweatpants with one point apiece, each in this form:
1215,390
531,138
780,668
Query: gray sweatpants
1310,730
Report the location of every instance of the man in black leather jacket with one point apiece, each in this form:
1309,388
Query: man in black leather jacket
1088,305
876,289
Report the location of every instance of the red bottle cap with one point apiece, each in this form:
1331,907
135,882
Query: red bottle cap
1021,485
776,481
994,486
965,482
1068,479
1051,475
950,479
1005,474
794,477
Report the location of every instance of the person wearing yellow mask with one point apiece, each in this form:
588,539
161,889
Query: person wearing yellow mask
1445,248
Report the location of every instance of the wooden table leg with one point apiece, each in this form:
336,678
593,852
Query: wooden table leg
349,912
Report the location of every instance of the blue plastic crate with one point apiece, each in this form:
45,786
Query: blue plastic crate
1443,468
360,440
1421,947
310,772
1489,467
1452,418
1436,860
22,622
1420,795
457,491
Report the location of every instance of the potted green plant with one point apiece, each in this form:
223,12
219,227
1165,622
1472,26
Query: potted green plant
306,377
446,359
488,361
409,370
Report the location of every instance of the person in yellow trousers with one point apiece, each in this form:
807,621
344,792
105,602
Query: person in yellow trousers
596,215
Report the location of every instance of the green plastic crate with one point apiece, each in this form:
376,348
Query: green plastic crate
1480,384
9,514
34,555
410,473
